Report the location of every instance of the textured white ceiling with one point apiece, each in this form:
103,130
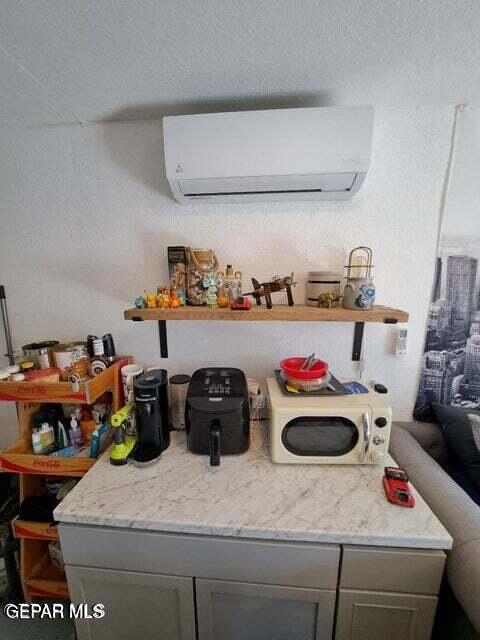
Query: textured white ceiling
90,60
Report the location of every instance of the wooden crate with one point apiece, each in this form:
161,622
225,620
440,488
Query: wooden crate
19,458
61,392
40,578
34,530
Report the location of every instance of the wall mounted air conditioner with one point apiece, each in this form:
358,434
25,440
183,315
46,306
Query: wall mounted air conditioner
282,154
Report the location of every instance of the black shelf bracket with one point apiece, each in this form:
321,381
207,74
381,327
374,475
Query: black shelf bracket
162,334
357,341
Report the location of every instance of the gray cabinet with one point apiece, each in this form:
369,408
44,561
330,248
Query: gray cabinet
151,582
244,611
137,605
370,615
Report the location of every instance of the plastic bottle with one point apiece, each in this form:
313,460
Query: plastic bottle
87,425
98,363
37,443
47,438
62,440
76,439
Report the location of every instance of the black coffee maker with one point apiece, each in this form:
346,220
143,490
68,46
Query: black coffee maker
217,416
152,418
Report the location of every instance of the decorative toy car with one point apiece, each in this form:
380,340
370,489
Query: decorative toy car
241,304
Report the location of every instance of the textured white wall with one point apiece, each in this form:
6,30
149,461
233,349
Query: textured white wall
86,218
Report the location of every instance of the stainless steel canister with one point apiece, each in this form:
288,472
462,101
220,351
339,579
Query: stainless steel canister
40,353
178,395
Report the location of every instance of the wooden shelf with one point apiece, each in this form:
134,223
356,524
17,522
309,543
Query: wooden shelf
279,313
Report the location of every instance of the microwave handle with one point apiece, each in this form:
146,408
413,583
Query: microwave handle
367,430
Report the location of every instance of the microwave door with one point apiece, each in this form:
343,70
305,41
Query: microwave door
332,436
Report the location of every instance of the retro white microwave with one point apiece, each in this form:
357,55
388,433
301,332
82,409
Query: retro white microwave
350,429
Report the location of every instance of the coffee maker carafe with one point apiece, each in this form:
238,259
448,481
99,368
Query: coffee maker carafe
152,419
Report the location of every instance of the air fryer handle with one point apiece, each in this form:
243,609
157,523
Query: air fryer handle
215,433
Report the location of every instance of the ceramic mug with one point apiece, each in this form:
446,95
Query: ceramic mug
129,372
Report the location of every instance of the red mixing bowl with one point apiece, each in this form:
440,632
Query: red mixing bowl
291,366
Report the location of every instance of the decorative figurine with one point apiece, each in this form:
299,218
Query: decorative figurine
267,288
182,297
328,300
222,300
230,282
140,302
223,294
174,299
151,299
209,282
163,299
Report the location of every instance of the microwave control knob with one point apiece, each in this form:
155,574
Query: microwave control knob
381,422
376,457
379,439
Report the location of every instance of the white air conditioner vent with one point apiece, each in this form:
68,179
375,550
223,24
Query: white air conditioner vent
285,154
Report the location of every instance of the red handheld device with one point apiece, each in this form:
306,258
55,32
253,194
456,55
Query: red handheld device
395,483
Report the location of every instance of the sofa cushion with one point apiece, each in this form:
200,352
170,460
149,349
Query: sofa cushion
430,437
466,484
462,433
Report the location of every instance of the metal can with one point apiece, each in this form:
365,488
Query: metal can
66,355
40,353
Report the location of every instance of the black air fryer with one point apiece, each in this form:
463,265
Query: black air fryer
217,416
152,420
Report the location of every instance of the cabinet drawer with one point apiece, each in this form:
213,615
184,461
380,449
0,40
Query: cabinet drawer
282,563
369,615
402,570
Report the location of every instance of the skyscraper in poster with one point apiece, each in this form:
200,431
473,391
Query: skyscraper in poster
437,285
460,292
472,358
450,370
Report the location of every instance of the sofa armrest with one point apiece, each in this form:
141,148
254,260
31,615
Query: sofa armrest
430,437
455,510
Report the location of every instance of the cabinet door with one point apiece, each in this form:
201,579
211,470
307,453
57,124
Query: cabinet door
371,615
137,605
244,611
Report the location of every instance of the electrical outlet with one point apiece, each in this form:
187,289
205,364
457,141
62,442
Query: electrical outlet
258,401
401,342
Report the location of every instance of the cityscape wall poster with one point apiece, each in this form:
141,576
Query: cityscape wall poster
450,367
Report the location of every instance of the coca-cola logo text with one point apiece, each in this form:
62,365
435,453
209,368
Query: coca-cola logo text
31,391
46,464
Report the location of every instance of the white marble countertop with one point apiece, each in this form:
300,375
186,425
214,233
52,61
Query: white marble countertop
249,496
